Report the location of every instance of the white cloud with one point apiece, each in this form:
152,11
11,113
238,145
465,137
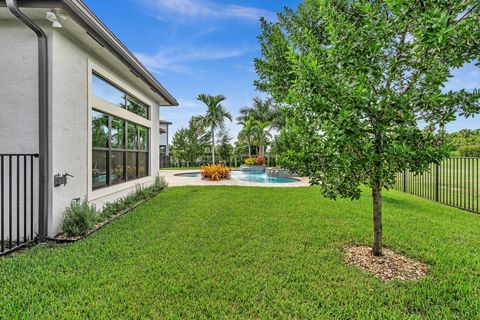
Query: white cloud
177,59
207,9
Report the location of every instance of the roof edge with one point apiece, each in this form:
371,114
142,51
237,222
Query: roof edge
92,23
79,11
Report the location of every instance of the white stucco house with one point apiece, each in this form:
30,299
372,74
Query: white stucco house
78,100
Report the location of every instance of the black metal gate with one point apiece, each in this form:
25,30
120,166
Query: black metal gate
18,200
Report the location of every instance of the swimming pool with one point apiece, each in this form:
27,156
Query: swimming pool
246,177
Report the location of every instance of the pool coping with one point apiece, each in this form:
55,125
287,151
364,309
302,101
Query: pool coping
171,176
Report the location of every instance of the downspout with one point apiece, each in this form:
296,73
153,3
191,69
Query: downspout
42,118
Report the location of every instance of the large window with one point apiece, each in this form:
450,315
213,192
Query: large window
103,89
119,150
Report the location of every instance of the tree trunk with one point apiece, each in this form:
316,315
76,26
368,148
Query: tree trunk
249,150
377,217
213,146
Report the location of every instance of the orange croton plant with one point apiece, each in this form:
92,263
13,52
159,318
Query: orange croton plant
215,172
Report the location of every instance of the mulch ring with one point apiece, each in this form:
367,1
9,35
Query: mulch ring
387,267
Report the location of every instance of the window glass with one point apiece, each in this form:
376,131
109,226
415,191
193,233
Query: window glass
131,165
99,130
118,133
132,136
142,164
99,169
117,167
119,150
142,138
137,107
106,91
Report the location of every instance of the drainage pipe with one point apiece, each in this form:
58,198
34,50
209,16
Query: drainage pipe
42,118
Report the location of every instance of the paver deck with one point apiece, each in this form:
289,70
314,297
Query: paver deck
173,180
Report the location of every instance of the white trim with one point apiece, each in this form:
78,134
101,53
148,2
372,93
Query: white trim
104,106
116,111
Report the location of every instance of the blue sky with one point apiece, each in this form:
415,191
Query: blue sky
208,46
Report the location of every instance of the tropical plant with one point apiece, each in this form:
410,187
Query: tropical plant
189,144
357,77
215,116
262,110
260,160
262,133
251,161
215,172
247,134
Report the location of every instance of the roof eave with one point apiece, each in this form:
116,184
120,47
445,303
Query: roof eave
92,24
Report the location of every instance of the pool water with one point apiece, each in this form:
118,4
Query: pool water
246,177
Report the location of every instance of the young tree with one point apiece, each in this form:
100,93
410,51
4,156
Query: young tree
190,143
215,116
224,149
358,77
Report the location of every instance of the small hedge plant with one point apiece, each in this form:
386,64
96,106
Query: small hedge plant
215,172
140,194
469,151
81,216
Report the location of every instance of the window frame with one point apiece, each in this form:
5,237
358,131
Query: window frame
125,151
95,103
125,97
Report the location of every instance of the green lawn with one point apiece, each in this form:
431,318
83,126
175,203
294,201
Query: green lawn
236,252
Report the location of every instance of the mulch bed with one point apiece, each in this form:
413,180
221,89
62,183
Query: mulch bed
387,267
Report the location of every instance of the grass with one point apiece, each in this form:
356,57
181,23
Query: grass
236,252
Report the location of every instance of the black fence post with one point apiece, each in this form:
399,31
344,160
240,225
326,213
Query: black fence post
437,180
404,180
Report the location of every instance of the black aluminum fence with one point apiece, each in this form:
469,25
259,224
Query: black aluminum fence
454,182
18,200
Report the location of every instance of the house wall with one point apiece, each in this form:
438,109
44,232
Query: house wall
18,123
18,88
71,108
72,54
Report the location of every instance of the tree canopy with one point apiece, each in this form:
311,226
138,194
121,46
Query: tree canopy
358,77
189,144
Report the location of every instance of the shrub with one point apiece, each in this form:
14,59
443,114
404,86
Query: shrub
215,172
260,160
469,151
251,161
140,194
159,184
79,217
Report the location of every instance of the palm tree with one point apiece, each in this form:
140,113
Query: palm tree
262,132
262,110
215,116
247,133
